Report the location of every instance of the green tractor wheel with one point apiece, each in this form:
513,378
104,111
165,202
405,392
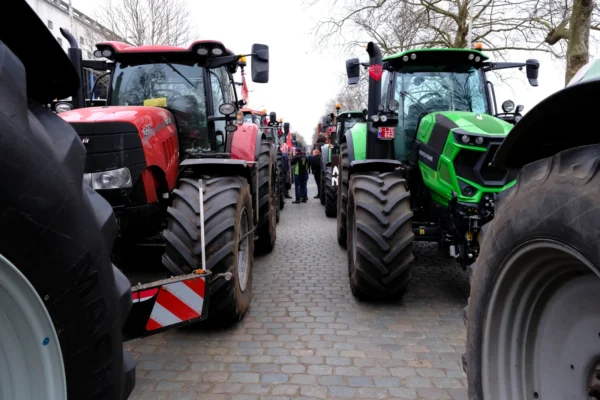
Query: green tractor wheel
342,196
380,235
330,194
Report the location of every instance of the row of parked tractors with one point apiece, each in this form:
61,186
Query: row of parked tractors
505,195
173,155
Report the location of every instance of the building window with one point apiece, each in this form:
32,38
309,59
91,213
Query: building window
81,40
59,40
49,24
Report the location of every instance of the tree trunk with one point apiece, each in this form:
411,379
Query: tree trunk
579,37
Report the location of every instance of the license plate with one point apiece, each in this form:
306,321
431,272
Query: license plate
386,132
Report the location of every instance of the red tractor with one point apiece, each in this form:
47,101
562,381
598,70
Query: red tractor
171,152
271,128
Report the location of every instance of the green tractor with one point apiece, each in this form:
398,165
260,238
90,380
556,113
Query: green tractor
330,154
421,167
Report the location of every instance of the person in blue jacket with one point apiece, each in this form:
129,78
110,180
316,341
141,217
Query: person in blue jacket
301,168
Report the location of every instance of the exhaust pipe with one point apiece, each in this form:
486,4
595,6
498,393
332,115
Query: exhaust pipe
76,57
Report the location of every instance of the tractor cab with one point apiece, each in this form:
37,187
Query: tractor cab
347,119
418,83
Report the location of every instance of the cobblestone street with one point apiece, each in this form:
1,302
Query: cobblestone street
306,337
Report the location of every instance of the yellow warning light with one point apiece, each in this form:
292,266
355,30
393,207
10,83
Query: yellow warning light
421,231
243,59
469,236
478,46
338,106
280,119
265,110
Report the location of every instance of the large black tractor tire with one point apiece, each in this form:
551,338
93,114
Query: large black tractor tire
59,235
267,224
533,318
322,196
342,196
330,195
281,185
277,195
227,215
380,236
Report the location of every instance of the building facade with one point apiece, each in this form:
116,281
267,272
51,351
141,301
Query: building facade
87,31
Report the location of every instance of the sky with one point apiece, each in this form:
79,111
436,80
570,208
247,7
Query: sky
304,75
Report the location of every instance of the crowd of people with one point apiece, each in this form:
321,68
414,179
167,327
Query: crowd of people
302,166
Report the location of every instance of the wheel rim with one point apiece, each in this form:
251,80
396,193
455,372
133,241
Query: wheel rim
31,364
243,264
541,331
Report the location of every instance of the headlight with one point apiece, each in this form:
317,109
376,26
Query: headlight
465,138
375,118
217,51
394,105
113,179
62,107
226,108
383,118
508,106
106,53
202,51
478,140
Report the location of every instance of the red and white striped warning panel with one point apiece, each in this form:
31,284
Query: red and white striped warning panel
144,295
177,302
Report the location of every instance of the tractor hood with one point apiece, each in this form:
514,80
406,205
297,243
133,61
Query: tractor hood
147,120
471,122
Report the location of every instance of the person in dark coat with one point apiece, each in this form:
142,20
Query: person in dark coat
286,173
301,167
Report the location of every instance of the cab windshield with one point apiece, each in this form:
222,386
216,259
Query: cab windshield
438,89
175,86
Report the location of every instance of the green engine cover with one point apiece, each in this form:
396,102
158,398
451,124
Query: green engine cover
455,151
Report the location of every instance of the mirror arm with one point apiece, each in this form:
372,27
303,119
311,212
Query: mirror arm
213,118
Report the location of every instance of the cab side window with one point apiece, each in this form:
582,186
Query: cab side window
218,86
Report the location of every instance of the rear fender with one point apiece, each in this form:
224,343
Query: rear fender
356,140
561,121
245,142
217,167
358,167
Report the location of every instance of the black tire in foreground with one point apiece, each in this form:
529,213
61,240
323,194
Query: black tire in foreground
227,218
60,234
322,196
533,321
281,176
330,194
380,236
267,197
342,196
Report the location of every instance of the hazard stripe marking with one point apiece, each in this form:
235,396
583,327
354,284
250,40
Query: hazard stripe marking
143,295
176,302
162,316
188,296
197,285
152,325
175,305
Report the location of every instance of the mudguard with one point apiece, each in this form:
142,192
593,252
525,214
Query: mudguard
244,144
218,166
561,121
356,140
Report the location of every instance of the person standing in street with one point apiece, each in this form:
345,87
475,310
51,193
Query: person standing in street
315,166
301,167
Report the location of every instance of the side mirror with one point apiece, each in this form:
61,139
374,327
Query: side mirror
532,69
353,70
286,127
273,118
260,63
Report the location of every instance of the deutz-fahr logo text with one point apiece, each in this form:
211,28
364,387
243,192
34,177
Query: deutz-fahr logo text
426,156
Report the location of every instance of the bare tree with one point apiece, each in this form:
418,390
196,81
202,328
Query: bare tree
148,22
567,25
